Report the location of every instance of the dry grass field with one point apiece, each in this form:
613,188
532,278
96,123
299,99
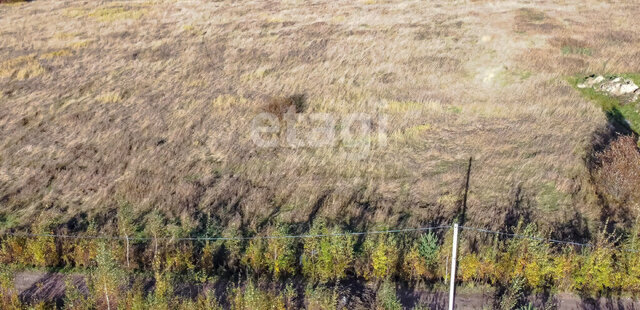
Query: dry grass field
151,103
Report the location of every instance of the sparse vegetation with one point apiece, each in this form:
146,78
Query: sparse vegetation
173,110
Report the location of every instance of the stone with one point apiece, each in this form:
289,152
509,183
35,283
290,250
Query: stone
598,79
624,89
619,87
628,88
591,81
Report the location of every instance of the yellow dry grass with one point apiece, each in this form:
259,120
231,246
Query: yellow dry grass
454,80
21,68
56,54
109,97
115,13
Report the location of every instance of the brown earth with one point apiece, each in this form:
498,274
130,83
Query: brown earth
38,286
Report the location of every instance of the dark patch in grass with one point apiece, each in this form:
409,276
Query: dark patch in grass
532,15
576,50
625,118
279,106
528,19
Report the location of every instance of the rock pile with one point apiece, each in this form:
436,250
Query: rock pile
620,87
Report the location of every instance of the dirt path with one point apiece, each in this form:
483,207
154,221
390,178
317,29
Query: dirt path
36,285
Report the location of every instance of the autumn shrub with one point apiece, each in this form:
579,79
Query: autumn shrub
280,253
232,249
327,258
564,265
179,258
539,271
413,266
156,228
488,269
14,250
629,261
421,260
618,177
134,298
162,297
206,261
168,252
527,258
81,252
596,272
253,258
379,257
107,279
42,248
251,297
126,227
469,266
8,294
206,301
74,299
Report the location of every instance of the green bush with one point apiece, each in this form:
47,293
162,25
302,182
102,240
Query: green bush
428,248
250,297
514,294
386,298
321,298
206,301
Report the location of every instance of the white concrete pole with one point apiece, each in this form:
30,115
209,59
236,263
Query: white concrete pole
127,236
454,252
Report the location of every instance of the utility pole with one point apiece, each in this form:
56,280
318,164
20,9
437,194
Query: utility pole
454,252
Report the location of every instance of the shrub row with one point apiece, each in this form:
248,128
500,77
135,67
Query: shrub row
601,269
